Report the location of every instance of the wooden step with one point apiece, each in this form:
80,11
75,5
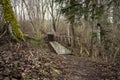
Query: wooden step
59,49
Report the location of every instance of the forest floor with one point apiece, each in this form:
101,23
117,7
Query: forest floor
19,62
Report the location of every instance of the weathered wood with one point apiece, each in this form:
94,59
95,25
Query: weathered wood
59,49
50,37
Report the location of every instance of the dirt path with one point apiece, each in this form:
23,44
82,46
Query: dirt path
43,64
81,69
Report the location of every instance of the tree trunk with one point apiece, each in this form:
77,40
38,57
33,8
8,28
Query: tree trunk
72,33
10,17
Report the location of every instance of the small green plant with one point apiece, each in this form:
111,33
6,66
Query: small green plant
38,40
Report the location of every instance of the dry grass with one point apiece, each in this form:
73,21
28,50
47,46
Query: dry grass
83,37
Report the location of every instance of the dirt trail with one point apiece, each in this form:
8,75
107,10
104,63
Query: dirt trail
28,63
81,69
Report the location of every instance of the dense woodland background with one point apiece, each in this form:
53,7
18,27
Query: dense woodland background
89,28
91,24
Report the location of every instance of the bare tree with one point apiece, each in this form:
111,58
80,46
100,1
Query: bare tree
54,13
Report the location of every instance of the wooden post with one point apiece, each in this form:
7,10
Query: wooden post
99,38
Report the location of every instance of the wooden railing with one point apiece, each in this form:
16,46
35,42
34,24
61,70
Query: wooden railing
63,39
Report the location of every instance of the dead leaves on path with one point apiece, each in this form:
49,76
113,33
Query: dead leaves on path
28,64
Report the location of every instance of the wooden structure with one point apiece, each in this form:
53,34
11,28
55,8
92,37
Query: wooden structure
50,37
53,40
59,49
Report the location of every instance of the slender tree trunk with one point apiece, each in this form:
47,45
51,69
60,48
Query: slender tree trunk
72,32
91,47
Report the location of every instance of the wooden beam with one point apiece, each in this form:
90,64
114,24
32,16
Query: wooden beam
59,49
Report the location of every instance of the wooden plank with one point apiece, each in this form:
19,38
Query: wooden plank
59,49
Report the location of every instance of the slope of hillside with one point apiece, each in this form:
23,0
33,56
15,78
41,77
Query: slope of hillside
18,62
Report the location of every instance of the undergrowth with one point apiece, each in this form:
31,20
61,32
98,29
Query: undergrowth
39,40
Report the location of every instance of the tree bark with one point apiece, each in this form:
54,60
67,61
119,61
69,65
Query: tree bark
72,32
10,17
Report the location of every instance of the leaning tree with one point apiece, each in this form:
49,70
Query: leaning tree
10,21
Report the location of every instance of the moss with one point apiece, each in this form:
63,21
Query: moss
9,16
